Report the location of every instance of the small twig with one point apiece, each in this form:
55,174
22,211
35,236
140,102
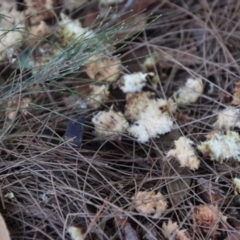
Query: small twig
127,6
94,220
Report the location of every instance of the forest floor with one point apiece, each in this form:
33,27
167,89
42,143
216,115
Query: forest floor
120,119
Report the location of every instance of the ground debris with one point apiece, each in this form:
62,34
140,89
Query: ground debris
74,132
126,230
210,191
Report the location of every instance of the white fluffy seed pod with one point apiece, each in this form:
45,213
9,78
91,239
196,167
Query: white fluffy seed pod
222,146
228,118
98,95
76,233
149,63
137,103
190,92
134,82
12,31
71,30
109,123
151,123
185,153
236,183
150,203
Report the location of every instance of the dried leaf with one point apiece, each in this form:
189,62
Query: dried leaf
177,180
103,68
39,10
4,234
207,219
209,190
127,231
75,132
236,95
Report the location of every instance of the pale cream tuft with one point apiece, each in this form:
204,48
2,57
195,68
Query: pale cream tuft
185,153
134,82
14,105
71,30
151,122
12,31
190,92
228,118
222,146
136,103
171,228
236,95
103,68
109,123
97,96
236,183
150,203
75,233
